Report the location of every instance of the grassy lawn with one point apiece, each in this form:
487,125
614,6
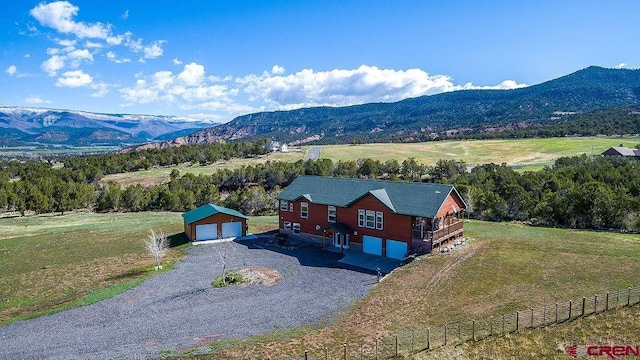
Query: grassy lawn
506,267
52,262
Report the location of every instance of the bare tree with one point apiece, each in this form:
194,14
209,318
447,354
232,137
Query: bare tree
157,246
470,202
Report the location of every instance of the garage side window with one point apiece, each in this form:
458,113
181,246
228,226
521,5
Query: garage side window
287,225
296,228
304,210
283,205
360,218
331,214
371,219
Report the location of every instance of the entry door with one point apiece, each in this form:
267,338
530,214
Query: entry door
341,240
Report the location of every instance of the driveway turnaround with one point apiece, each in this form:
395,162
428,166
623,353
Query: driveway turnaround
179,309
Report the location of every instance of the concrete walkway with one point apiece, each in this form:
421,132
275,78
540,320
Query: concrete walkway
372,263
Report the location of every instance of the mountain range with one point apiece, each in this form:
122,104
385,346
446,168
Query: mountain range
437,116
445,115
27,126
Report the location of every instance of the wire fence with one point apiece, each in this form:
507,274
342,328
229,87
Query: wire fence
408,343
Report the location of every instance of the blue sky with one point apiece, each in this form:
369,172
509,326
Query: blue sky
219,59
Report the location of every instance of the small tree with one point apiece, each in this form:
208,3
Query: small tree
157,246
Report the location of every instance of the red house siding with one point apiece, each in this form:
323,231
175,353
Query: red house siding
448,205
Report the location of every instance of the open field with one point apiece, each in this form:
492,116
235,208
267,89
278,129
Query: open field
507,267
523,154
24,152
51,262
517,152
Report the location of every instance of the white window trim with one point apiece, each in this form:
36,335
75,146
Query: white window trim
379,220
284,205
290,207
331,209
361,218
370,213
304,214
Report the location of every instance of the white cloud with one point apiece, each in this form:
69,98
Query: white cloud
52,65
277,69
11,70
193,74
36,100
154,50
92,45
621,65
59,16
27,55
101,89
177,61
111,56
83,54
76,78
125,15
505,85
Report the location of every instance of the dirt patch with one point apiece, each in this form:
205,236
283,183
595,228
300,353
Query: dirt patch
261,276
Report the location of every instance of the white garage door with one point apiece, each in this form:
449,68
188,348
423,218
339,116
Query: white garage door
206,232
231,229
396,249
372,245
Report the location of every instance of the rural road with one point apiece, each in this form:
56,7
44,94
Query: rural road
313,153
179,309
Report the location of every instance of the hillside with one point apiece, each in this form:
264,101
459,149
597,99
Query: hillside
441,115
21,126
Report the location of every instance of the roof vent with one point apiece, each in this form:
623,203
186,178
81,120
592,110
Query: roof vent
437,191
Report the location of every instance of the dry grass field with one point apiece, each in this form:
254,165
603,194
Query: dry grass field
507,267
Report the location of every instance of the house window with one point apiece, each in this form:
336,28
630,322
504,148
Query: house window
283,205
361,218
304,210
371,219
296,228
291,207
287,225
331,214
379,220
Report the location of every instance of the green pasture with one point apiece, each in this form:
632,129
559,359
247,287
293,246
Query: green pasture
506,267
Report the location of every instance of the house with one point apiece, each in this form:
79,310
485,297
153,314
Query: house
276,146
383,218
211,222
622,151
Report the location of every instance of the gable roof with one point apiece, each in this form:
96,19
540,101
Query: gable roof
207,210
621,151
406,198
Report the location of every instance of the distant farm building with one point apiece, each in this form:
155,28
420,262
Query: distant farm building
622,151
276,146
212,222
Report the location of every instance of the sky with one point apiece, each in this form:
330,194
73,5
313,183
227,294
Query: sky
215,60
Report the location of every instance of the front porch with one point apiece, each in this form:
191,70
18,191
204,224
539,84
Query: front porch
426,240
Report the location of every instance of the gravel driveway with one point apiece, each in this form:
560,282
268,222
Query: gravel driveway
180,309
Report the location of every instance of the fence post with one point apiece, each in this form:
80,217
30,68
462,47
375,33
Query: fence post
583,302
411,342
306,355
531,318
445,334
396,345
595,303
459,333
376,351
491,326
617,297
473,330
361,351
326,353
629,296
517,320
570,308
556,314
344,354
503,324
428,338
544,315
607,302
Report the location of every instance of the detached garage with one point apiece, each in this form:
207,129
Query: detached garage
212,222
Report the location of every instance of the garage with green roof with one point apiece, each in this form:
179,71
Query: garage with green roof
213,222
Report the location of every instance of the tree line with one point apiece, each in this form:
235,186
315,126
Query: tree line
576,192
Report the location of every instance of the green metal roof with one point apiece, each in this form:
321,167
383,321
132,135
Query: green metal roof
406,198
207,210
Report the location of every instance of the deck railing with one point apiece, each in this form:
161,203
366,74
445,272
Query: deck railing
436,236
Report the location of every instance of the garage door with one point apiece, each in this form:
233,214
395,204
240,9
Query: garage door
396,249
206,232
372,245
231,229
